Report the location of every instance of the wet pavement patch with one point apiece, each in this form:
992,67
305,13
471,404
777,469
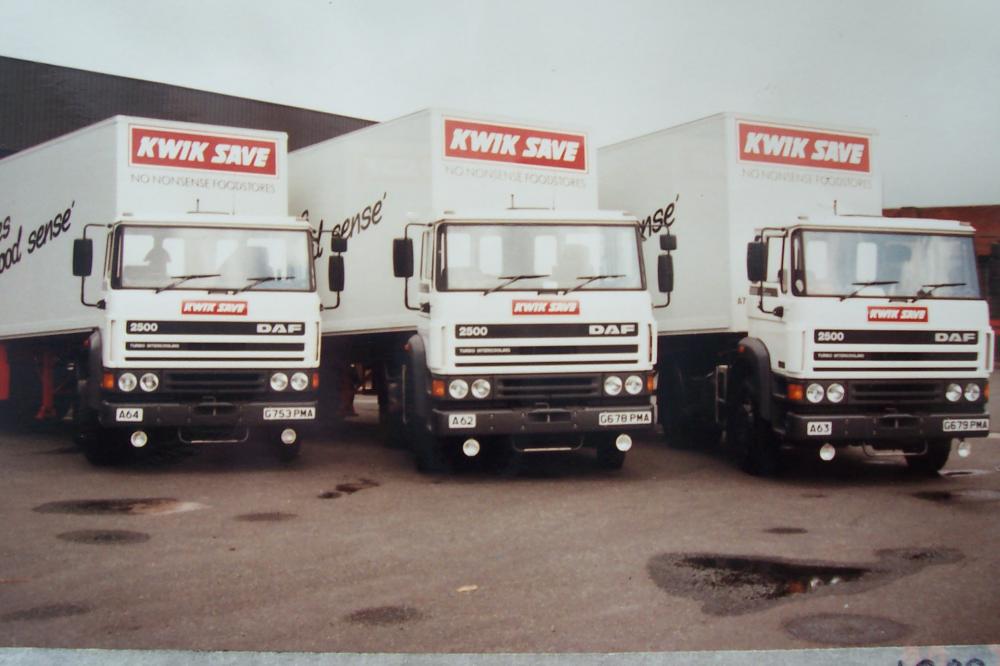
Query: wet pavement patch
329,494
121,507
272,516
813,495
786,530
104,537
384,615
734,584
49,612
966,472
352,487
948,496
845,629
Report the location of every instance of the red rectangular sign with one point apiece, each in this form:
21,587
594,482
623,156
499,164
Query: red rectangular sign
235,308
192,150
804,148
545,307
516,145
912,315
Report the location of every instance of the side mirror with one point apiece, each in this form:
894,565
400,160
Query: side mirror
83,257
338,244
668,243
335,273
665,273
756,261
402,257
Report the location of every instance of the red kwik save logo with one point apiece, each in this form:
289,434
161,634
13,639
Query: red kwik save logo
190,150
804,148
516,145
237,308
914,315
545,307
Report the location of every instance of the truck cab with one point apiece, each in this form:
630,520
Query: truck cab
861,331
534,333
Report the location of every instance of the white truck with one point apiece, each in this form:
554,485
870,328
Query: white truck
201,320
847,328
522,322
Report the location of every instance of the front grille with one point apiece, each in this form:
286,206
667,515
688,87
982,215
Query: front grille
893,392
529,388
218,384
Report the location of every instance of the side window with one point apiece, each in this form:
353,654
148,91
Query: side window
426,257
774,247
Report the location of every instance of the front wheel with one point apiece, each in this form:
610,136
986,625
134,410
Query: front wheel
933,459
754,445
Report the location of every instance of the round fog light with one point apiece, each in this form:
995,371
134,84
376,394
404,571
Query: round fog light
458,388
279,381
470,448
815,393
139,439
127,382
613,385
480,388
953,393
149,382
964,449
972,392
288,436
623,442
835,392
827,452
299,381
633,385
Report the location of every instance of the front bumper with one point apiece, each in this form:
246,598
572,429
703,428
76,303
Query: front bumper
205,414
540,421
872,428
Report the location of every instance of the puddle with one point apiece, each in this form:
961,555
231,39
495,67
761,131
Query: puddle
273,516
733,584
844,629
104,537
955,496
966,472
786,530
813,495
354,486
384,615
329,494
130,507
50,612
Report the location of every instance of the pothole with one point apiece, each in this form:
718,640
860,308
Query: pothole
352,487
734,584
133,507
969,495
49,612
786,530
104,537
845,629
384,615
272,516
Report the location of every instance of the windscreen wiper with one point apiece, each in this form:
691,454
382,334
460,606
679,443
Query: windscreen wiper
254,281
862,285
181,279
587,279
511,279
928,289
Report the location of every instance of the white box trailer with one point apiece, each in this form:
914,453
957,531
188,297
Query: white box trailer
521,303
203,299
856,329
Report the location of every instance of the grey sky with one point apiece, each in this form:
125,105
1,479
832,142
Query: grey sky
925,74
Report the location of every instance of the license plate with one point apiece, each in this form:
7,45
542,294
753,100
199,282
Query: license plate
128,414
289,413
624,418
461,420
963,425
819,428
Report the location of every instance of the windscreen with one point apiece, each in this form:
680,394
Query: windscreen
486,257
214,258
874,264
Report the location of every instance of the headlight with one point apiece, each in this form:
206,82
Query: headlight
279,381
953,393
835,392
480,388
127,382
972,392
149,382
458,388
633,385
815,393
300,381
613,385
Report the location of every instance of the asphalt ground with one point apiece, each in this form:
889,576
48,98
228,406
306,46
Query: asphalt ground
349,549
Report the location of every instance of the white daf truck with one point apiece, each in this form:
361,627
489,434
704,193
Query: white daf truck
522,321
846,328
153,282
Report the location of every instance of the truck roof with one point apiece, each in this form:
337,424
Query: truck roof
486,216
217,219
894,224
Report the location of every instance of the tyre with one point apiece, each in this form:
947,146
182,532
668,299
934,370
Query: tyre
428,451
610,458
104,447
752,442
933,460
